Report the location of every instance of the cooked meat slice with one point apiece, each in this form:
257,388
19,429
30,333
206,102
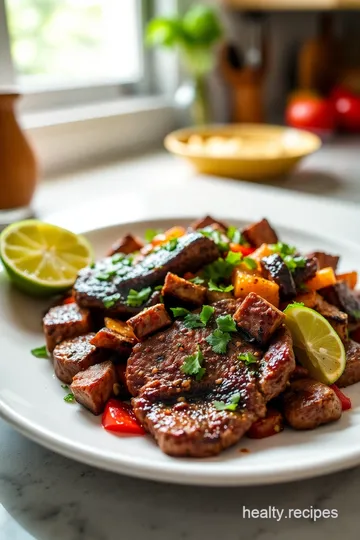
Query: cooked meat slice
127,244
65,322
191,252
277,364
341,296
93,387
74,355
260,233
274,269
272,424
183,290
308,271
180,409
207,221
109,339
338,319
215,296
299,372
325,259
309,403
149,321
258,318
351,374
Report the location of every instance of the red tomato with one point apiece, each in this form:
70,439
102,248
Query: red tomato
311,113
345,401
119,416
244,250
347,109
268,426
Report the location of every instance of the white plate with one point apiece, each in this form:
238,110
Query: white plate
31,399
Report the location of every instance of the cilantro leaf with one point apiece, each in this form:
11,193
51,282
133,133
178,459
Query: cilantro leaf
219,341
217,237
250,263
197,280
150,234
40,352
231,405
110,301
226,323
65,386
233,258
248,358
219,288
283,249
234,234
137,298
206,314
222,269
192,365
117,257
179,311
69,398
294,262
158,287
171,244
199,320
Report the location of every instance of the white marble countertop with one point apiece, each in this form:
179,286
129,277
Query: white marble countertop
47,497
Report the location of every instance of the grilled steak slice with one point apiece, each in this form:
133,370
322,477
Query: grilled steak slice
74,355
309,403
325,259
127,244
65,322
191,252
93,387
275,269
341,296
351,374
109,339
302,274
258,318
260,233
180,411
183,291
149,321
338,319
207,221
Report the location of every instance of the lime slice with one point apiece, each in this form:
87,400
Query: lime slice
316,344
42,259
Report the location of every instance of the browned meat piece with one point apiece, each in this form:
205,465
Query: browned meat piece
338,319
183,290
183,411
95,286
65,322
74,355
149,321
109,339
277,364
93,387
258,318
302,274
127,244
309,403
274,269
260,233
325,259
215,296
351,374
207,221
341,296
299,372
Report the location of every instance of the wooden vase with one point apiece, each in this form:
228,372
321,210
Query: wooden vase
18,167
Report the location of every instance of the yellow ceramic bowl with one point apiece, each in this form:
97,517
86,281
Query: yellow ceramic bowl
244,151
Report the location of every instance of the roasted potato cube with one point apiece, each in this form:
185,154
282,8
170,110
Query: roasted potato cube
246,283
183,290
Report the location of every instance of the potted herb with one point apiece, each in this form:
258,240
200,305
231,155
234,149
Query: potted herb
194,35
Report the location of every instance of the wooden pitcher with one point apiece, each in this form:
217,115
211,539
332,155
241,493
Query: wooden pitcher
18,168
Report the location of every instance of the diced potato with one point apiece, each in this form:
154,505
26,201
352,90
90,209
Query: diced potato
350,278
308,299
246,283
261,252
323,278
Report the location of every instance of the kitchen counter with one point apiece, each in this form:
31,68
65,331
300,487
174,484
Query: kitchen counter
47,497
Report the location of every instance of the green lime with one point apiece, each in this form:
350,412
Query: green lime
317,346
43,259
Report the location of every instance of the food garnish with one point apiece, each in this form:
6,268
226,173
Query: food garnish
192,365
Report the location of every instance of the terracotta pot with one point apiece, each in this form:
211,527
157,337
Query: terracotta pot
18,168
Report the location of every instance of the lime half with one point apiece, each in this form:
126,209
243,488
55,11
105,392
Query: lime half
317,346
43,259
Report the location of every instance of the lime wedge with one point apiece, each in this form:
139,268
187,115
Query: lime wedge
316,344
42,259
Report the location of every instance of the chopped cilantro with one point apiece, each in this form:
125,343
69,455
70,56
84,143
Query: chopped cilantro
233,258
234,234
217,237
171,245
222,268
128,260
192,365
105,276
294,262
226,323
248,358
92,265
219,288
110,301
199,320
150,234
206,314
250,263
69,398
40,352
197,280
231,405
65,386
283,249
137,298
179,311
118,257
158,287
219,341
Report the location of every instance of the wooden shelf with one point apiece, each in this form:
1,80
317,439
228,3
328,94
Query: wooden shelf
299,5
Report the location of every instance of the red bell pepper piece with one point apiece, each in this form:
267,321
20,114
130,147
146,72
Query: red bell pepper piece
345,401
272,424
244,250
119,417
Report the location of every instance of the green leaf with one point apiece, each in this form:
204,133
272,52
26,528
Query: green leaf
219,341
248,358
219,288
231,405
138,298
226,323
199,320
202,25
294,262
179,311
233,234
233,258
164,32
117,258
192,365
206,314
69,398
217,237
150,234
283,249
40,352
250,263
158,288
197,280
110,301
171,245
222,269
